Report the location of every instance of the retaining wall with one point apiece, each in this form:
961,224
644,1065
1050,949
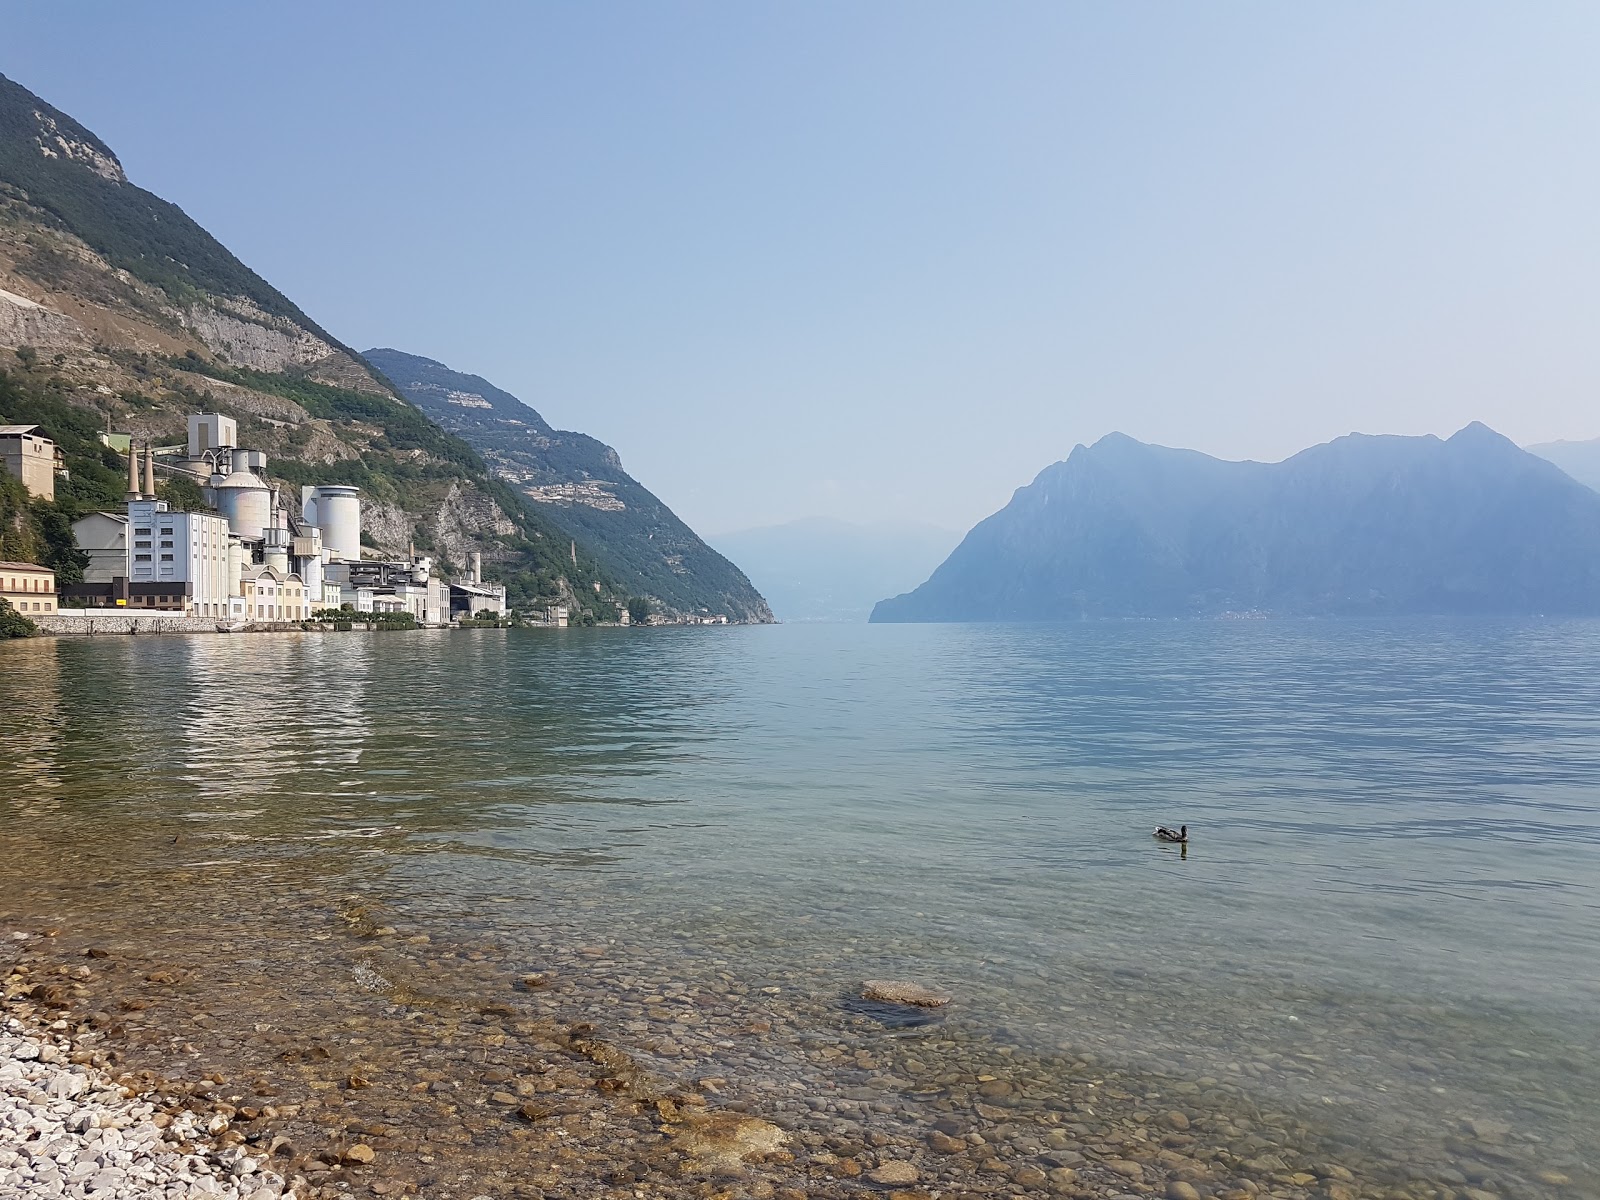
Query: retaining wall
88,622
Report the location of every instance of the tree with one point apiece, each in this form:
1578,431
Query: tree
13,624
182,494
60,553
639,609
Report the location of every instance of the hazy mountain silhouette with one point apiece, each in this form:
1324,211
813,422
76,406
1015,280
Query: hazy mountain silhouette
1581,460
819,569
1362,524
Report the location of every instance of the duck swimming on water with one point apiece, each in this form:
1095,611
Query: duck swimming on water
1180,834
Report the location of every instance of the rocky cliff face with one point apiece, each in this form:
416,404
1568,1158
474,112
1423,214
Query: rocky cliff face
1361,525
126,308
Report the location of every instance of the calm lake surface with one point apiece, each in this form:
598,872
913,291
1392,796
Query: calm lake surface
1387,921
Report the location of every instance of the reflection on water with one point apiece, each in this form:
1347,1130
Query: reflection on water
1388,918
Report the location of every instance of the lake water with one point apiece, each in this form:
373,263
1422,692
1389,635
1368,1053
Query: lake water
1383,939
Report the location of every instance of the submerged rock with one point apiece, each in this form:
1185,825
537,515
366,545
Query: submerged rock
902,991
893,1172
725,1141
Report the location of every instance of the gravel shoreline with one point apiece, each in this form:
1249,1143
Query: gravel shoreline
68,1129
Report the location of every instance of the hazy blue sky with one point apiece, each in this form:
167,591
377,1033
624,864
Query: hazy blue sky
889,259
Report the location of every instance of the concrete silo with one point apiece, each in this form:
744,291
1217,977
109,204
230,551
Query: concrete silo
335,509
245,500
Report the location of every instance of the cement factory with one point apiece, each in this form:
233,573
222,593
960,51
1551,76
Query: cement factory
251,560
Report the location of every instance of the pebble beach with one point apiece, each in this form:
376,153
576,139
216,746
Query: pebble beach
124,1074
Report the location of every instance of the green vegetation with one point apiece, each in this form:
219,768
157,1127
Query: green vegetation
13,624
641,546
39,530
640,609
151,239
401,426
20,537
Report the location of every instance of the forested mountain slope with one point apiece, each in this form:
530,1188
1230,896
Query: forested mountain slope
579,485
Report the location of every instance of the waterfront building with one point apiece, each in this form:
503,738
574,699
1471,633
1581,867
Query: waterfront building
470,596
270,594
103,536
187,552
31,457
30,588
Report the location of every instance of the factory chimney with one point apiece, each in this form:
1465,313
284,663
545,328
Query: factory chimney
133,471
477,566
149,471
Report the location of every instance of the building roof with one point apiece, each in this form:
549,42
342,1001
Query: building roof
16,430
265,570
16,566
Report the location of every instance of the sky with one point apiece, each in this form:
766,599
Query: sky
887,261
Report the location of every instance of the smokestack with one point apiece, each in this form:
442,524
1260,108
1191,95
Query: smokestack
133,471
477,566
150,471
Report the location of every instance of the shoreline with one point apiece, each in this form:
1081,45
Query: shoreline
461,1081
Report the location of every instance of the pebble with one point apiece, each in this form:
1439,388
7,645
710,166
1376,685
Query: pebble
54,1112
893,1172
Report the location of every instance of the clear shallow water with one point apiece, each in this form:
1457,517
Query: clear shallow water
1388,919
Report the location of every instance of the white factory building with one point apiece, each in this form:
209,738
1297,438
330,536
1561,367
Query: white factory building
186,553
252,559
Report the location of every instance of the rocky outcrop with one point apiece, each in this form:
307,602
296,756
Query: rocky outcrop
25,323
242,334
55,142
389,526
463,521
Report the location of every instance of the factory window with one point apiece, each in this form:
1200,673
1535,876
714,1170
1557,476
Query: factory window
166,533
166,558
141,533
141,558
166,545
141,545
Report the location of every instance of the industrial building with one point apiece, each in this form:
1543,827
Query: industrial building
187,553
28,455
249,560
253,559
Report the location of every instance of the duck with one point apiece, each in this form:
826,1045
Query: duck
1180,834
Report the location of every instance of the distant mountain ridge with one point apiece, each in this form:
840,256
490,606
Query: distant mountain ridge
819,569
578,484
1360,525
1581,460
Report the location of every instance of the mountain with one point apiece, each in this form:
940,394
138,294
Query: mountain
117,310
824,570
1581,460
578,485
1359,525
